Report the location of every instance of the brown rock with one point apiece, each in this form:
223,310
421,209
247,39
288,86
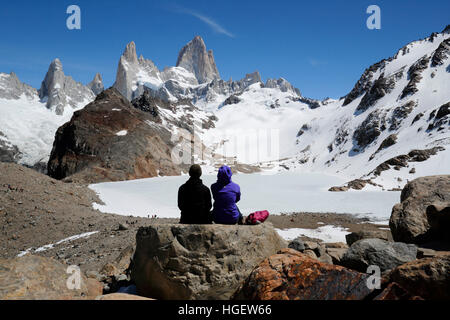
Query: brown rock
197,262
291,275
428,278
395,292
94,287
100,143
37,278
336,254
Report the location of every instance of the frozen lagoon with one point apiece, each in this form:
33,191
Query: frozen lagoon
278,193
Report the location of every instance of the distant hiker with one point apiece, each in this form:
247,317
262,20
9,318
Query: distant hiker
194,199
226,194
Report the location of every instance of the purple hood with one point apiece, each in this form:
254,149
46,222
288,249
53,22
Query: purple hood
224,175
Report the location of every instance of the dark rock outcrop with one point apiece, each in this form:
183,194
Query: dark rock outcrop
291,275
422,216
404,159
428,278
415,75
441,53
185,262
111,140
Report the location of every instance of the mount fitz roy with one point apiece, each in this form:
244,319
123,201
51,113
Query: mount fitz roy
392,127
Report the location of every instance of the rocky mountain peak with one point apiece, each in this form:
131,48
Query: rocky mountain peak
130,53
96,85
59,90
196,59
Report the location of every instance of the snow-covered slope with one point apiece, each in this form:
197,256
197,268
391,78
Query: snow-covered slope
398,105
29,118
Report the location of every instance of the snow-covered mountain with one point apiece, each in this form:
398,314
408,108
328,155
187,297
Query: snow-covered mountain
29,117
399,105
392,126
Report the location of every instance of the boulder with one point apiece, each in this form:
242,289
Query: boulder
423,214
291,275
187,262
351,238
38,278
381,253
428,278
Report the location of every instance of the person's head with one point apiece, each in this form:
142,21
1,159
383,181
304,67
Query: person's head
195,171
224,175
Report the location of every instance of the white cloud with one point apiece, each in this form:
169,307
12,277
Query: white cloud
209,21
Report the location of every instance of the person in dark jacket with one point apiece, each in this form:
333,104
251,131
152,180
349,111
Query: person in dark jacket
194,199
226,194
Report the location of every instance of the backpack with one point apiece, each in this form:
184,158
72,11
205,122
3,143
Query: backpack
257,217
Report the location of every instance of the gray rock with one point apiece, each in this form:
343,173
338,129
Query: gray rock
8,151
381,253
60,91
194,58
297,244
199,261
12,88
421,216
96,85
283,85
366,234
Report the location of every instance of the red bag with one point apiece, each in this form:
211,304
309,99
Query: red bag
257,217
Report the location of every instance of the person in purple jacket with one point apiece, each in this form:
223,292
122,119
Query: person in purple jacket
226,194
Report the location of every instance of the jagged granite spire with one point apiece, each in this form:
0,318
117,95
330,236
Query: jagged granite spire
96,85
132,71
194,58
59,90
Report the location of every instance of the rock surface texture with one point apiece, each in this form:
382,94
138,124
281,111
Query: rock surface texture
111,140
428,278
423,214
381,253
174,262
291,275
38,278
194,58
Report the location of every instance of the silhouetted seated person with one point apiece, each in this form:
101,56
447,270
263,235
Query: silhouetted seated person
226,194
194,199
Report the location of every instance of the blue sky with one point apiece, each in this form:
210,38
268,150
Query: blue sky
321,47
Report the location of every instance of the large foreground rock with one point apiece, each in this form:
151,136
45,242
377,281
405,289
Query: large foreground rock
38,278
424,212
428,278
111,140
199,261
378,252
291,275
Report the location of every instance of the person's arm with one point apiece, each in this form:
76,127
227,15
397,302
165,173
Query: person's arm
208,202
238,195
